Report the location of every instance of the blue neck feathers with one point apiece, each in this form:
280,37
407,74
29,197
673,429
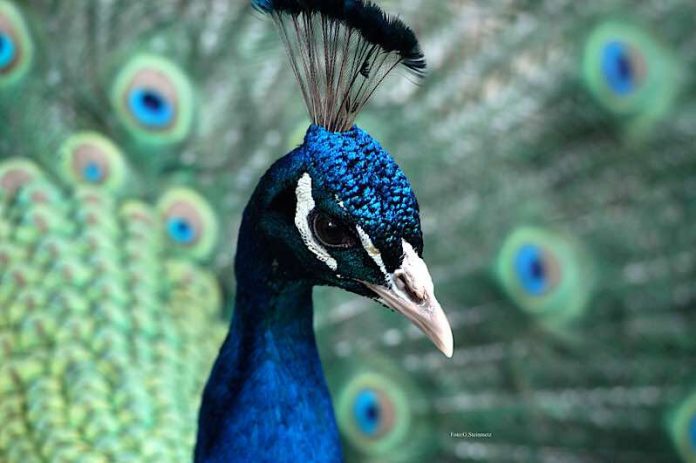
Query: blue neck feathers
266,398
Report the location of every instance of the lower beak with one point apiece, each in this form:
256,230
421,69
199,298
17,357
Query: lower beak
410,291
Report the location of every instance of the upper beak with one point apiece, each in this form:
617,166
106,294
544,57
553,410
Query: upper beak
410,291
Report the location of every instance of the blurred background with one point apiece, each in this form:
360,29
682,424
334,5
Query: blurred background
552,147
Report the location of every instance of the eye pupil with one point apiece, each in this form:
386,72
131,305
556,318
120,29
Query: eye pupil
331,232
152,100
367,412
331,226
531,269
151,108
625,68
181,231
373,413
537,268
619,67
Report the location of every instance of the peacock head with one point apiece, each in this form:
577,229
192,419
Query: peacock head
339,211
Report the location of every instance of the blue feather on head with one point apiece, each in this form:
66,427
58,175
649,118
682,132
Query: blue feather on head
368,182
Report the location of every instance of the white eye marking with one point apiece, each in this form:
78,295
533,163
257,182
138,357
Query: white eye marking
371,249
305,205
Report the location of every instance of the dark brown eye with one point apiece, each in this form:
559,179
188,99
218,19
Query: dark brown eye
331,232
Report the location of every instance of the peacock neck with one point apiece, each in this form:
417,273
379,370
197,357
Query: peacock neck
266,398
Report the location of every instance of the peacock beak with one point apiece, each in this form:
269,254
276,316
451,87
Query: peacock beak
410,291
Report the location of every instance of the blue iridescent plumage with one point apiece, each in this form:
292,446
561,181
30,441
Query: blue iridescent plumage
336,211
368,182
273,312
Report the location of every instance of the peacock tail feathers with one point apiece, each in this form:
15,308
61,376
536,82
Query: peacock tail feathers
382,413
551,147
103,352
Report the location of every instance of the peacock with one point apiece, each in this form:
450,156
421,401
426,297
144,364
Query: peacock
551,146
335,211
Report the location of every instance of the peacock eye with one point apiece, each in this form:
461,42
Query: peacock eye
15,174
544,273
90,158
154,100
150,105
537,270
183,229
8,50
189,222
623,67
15,45
373,412
331,232
683,427
629,71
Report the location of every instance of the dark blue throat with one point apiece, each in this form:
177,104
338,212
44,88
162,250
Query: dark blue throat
266,398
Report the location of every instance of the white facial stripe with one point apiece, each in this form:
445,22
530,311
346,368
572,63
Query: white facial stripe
371,249
305,205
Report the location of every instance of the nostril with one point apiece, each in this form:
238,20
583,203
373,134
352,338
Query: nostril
400,279
402,282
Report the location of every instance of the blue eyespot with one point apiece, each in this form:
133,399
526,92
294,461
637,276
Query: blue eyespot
532,270
93,172
150,108
692,431
619,68
367,412
180,230
8,50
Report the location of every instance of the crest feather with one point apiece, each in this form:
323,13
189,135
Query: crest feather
340,52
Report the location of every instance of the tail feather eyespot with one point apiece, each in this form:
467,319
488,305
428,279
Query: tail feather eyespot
682,425
188,221
14,174
628,71
381,413
544,273
153,99
16,46
90,158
